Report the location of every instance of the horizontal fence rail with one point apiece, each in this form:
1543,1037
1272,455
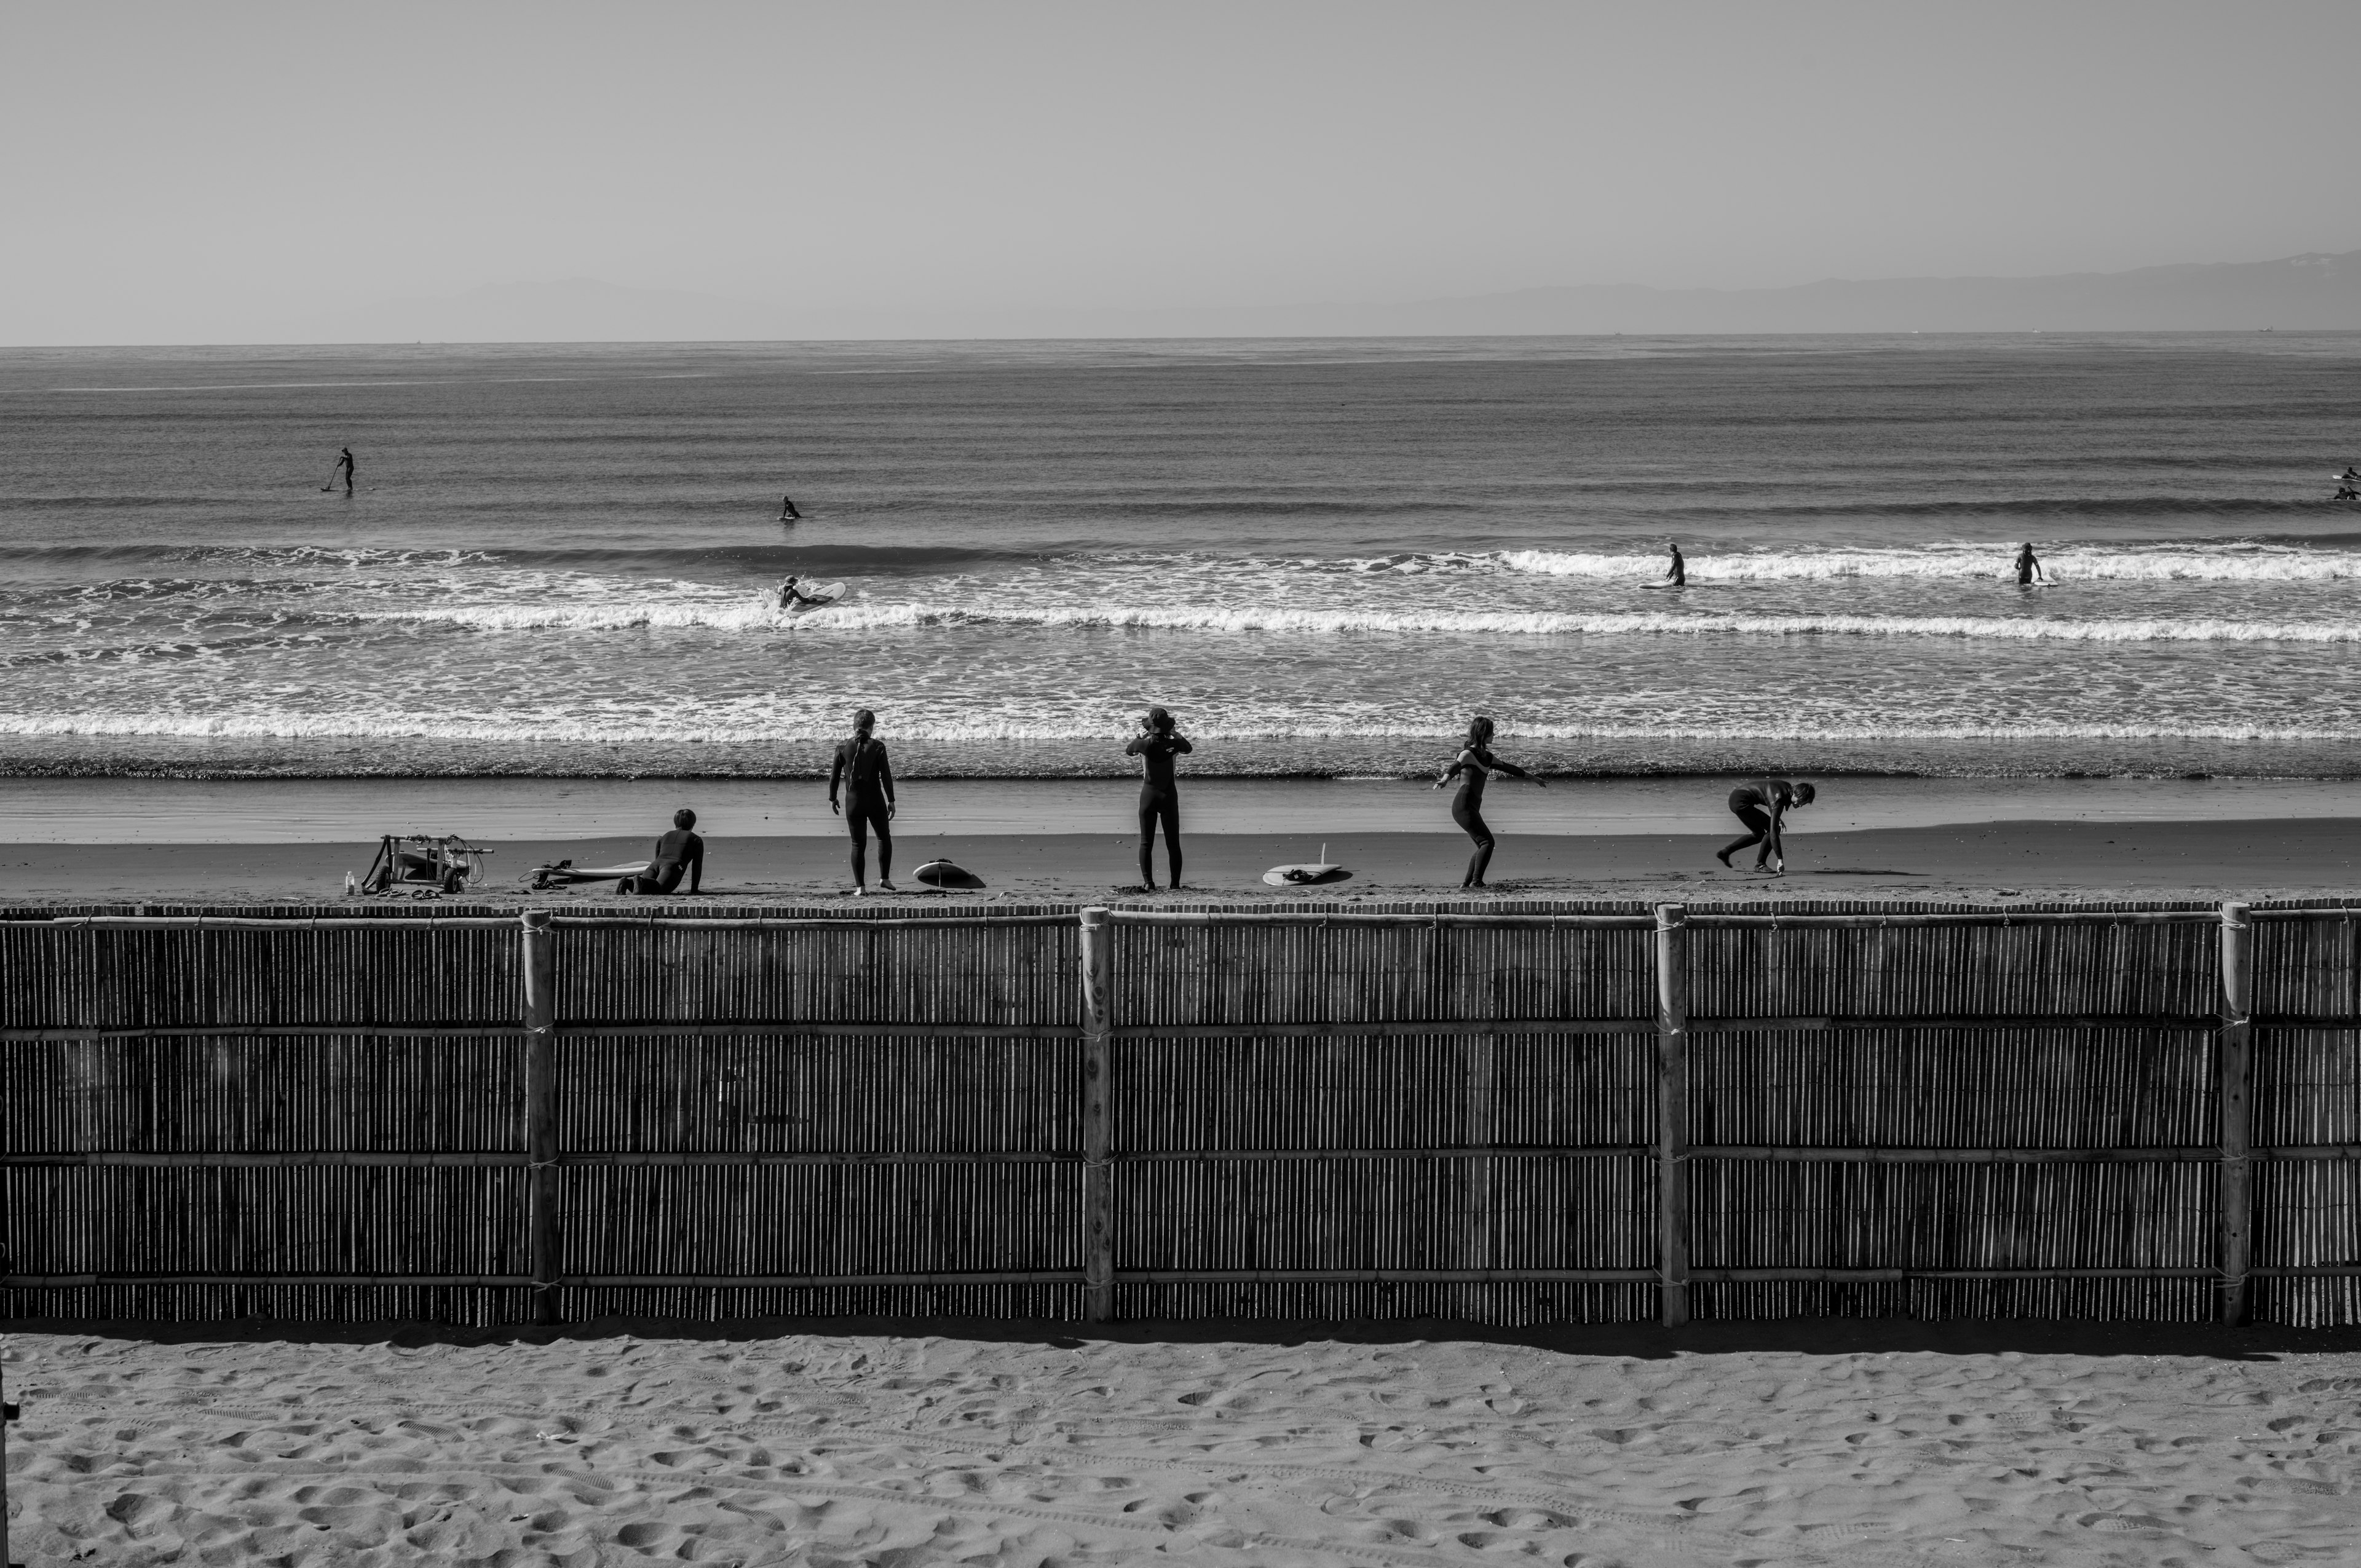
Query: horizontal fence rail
1546,1113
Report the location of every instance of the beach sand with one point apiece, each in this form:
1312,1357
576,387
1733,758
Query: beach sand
1820,1443
2291,856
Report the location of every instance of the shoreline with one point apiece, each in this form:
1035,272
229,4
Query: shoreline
556,811
2255,859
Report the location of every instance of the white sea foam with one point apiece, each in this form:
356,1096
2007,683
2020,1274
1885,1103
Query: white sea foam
745,724
1962,563
741,615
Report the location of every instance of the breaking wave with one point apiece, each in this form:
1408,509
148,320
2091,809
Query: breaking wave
726,723
868,615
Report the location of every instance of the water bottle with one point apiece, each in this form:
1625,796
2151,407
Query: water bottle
352,888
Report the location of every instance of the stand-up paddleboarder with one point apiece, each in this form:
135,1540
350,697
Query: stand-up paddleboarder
1762,807
343,470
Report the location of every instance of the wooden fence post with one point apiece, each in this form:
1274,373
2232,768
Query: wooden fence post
2236,1060
1673,1111
542,1240
1098,1068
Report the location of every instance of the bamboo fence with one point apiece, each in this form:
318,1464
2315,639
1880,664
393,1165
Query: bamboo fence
1535,1113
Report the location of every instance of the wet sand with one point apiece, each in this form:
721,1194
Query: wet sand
1775,1446
2291,856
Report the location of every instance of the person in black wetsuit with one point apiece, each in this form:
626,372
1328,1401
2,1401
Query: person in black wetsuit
2028,567
787,512
344,468
1476,759
868,781
678,852
790,595
1676,574
1762,807
1160,794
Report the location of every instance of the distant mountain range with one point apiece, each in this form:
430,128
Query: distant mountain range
2316,292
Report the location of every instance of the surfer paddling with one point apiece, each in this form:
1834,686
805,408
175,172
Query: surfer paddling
1159,793
868,781
791,595
1762,807
1477,762
2028,567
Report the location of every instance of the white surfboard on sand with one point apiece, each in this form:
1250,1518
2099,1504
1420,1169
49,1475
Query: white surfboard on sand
1310,874
942,874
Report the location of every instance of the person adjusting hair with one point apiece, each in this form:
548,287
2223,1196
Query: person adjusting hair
868,780
1159,792
680,852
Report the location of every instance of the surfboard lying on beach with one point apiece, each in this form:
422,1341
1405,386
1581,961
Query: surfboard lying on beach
942,874
1307,874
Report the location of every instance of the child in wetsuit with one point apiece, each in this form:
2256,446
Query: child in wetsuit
868,781
1159,793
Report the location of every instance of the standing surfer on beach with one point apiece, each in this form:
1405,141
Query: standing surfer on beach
1762,807
1476,759
2028,567
1159,793
868,781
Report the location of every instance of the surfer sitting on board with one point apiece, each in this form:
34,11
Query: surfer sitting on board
787,512
1476,759
790,595
1762,807
2028,567
1159,793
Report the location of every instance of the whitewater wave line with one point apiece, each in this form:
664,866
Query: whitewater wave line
825,731
1952,563
742,616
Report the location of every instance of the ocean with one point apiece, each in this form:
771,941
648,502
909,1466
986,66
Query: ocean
1323,556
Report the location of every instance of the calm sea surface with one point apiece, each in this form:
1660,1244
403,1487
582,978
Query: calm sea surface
1323,556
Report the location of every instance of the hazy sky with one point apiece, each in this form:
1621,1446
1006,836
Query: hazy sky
229,170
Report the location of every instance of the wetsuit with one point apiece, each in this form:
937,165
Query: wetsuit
1761,806
680,852
2028,564
1680,570
1160,800
345,467
1467,806
868,781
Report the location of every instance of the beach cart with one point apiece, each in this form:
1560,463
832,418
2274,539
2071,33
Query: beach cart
420,860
